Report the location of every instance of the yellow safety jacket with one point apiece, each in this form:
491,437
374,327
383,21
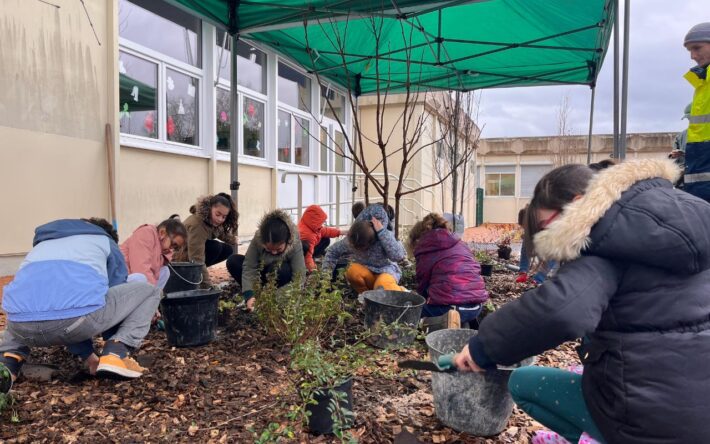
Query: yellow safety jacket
697,151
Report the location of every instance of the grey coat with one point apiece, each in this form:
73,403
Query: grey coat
636,284
382,257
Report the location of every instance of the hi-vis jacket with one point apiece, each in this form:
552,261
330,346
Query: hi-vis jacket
697,151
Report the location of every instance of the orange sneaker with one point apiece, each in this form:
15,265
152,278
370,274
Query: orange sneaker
112,366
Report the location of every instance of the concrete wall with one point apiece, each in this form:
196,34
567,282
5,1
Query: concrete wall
540,150
422,168
53,108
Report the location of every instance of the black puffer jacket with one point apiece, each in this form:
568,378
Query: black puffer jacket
636,283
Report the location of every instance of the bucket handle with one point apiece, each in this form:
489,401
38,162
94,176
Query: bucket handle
202,277
407,306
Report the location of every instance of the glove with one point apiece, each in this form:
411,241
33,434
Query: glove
522,278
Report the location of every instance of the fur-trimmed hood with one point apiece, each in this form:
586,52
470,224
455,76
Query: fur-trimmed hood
631,212
283,216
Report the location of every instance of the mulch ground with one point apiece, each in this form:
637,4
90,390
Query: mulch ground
231,391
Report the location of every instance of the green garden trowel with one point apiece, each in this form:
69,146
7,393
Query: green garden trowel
445,364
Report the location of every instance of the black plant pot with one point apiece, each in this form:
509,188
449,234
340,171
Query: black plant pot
504,252
320,420
486,269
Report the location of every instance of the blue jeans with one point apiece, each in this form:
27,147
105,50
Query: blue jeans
544,269
554,398
468,312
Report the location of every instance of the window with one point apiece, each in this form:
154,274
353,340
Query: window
284,137
324,148
251,63
159,72
337,102
294,132
162,28
294,88
500,180
339,152
138,82
181,98
530,175
253,125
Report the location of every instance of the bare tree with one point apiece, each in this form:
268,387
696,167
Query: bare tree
565,149
458,113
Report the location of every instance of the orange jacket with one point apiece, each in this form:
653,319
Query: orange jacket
311,229
143,253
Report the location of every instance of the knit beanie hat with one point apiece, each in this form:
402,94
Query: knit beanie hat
698,33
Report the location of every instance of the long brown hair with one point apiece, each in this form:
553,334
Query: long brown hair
430,222
555,190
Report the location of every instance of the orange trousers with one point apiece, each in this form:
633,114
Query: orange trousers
362,279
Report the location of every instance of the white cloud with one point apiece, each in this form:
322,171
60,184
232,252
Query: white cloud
657,91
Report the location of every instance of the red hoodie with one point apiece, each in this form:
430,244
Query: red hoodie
311,229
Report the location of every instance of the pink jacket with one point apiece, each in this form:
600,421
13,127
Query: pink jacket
143,253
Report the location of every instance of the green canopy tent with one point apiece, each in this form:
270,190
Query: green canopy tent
449,45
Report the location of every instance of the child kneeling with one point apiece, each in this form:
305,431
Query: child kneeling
448,276
374,250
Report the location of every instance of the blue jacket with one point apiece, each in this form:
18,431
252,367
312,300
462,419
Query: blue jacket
382,257
67,274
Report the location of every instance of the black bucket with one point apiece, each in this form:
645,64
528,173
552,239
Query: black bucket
486,269
392,316
320,420
184,276
190,317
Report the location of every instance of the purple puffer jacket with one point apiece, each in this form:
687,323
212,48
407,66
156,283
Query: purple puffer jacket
447,273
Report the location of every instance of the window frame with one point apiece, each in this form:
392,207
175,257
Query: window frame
512,171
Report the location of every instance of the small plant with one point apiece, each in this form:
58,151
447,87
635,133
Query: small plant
321,372
273,433
483,257
226,305
300,310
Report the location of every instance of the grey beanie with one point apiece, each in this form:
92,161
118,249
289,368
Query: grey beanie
698,33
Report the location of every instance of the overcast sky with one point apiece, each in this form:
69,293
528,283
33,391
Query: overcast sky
657,91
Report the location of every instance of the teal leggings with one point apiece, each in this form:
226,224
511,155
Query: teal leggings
553,397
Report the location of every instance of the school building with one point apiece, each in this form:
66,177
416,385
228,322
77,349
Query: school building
149,84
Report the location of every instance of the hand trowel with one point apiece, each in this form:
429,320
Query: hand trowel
445,364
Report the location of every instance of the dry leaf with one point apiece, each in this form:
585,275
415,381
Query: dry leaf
192,429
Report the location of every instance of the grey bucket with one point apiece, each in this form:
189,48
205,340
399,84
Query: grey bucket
385,308
184,276
475,403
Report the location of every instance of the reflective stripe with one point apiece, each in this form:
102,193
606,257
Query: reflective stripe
697,177
704,118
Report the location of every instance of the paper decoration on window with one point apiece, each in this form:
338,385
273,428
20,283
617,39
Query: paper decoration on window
171,126
190,90
149,123
134,93
258,145
121,67
124,112
171,83
181,108
223,116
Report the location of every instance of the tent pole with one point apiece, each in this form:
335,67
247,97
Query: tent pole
616,79
591,126
625,80
234,125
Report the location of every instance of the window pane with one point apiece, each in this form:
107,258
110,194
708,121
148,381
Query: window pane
251,63
339,151
181,97
492,184
294,88
507,184
302,141
500,169
138,104
530,175
323,149
223,122
337,101
284,137
161,27
253,127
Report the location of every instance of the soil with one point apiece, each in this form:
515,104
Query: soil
232,389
